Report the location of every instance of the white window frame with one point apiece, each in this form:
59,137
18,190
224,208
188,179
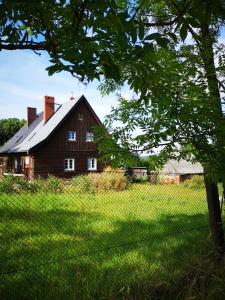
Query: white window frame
89,136
70,164
92,164
72,136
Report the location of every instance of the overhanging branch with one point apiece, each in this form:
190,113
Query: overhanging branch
27,46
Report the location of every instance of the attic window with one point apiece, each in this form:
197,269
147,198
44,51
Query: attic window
80,117
89,137
72,136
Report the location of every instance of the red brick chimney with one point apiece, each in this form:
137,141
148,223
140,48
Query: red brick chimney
31,115
49,107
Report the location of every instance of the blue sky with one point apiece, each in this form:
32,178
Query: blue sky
24,82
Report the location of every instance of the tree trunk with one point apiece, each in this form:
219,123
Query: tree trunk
215,219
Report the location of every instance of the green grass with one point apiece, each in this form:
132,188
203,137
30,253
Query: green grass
170,223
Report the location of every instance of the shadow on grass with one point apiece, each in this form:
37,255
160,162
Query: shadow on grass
137,253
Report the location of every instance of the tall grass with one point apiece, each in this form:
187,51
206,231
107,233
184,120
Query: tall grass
98,182
196,182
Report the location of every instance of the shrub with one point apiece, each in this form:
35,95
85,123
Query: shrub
83,183
140,179
6,184
12,184
195,182
52,184
105,181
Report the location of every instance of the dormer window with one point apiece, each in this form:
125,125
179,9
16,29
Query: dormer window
89,136
72,136
80,117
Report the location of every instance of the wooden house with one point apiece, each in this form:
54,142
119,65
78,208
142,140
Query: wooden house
56,141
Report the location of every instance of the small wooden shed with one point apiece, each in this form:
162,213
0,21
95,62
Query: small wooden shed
137,171
178,171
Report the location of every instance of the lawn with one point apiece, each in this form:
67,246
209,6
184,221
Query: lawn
100,246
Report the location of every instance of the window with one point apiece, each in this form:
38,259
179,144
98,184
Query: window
22,164
89,137
80,117
92,164
72,136
15,163
69,164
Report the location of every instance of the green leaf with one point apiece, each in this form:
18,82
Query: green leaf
29,31
193,22
141,31
133,32
163,42
183,32
22,27
111,71
153,36
173,36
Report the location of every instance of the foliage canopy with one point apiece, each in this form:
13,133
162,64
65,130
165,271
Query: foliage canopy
8,127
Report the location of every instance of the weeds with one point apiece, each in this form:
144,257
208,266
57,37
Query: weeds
96,182
196,182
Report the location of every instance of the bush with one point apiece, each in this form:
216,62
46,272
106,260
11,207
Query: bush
140,179
6,184
52,185
106,181
83,183
12,184
195,182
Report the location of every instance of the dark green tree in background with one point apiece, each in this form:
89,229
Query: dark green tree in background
8,127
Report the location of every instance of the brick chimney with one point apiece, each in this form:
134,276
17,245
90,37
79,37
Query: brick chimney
49,107
31,115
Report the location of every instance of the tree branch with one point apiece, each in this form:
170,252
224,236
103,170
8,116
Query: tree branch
162,23
137,10
30,46
171,22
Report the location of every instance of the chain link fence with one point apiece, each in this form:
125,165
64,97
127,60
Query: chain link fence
98,236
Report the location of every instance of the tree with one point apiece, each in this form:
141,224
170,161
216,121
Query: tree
184,105
122,41
82,37
8,127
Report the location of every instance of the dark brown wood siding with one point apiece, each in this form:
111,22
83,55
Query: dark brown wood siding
53,163
49,157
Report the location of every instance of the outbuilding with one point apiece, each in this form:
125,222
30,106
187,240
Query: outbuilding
178,171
